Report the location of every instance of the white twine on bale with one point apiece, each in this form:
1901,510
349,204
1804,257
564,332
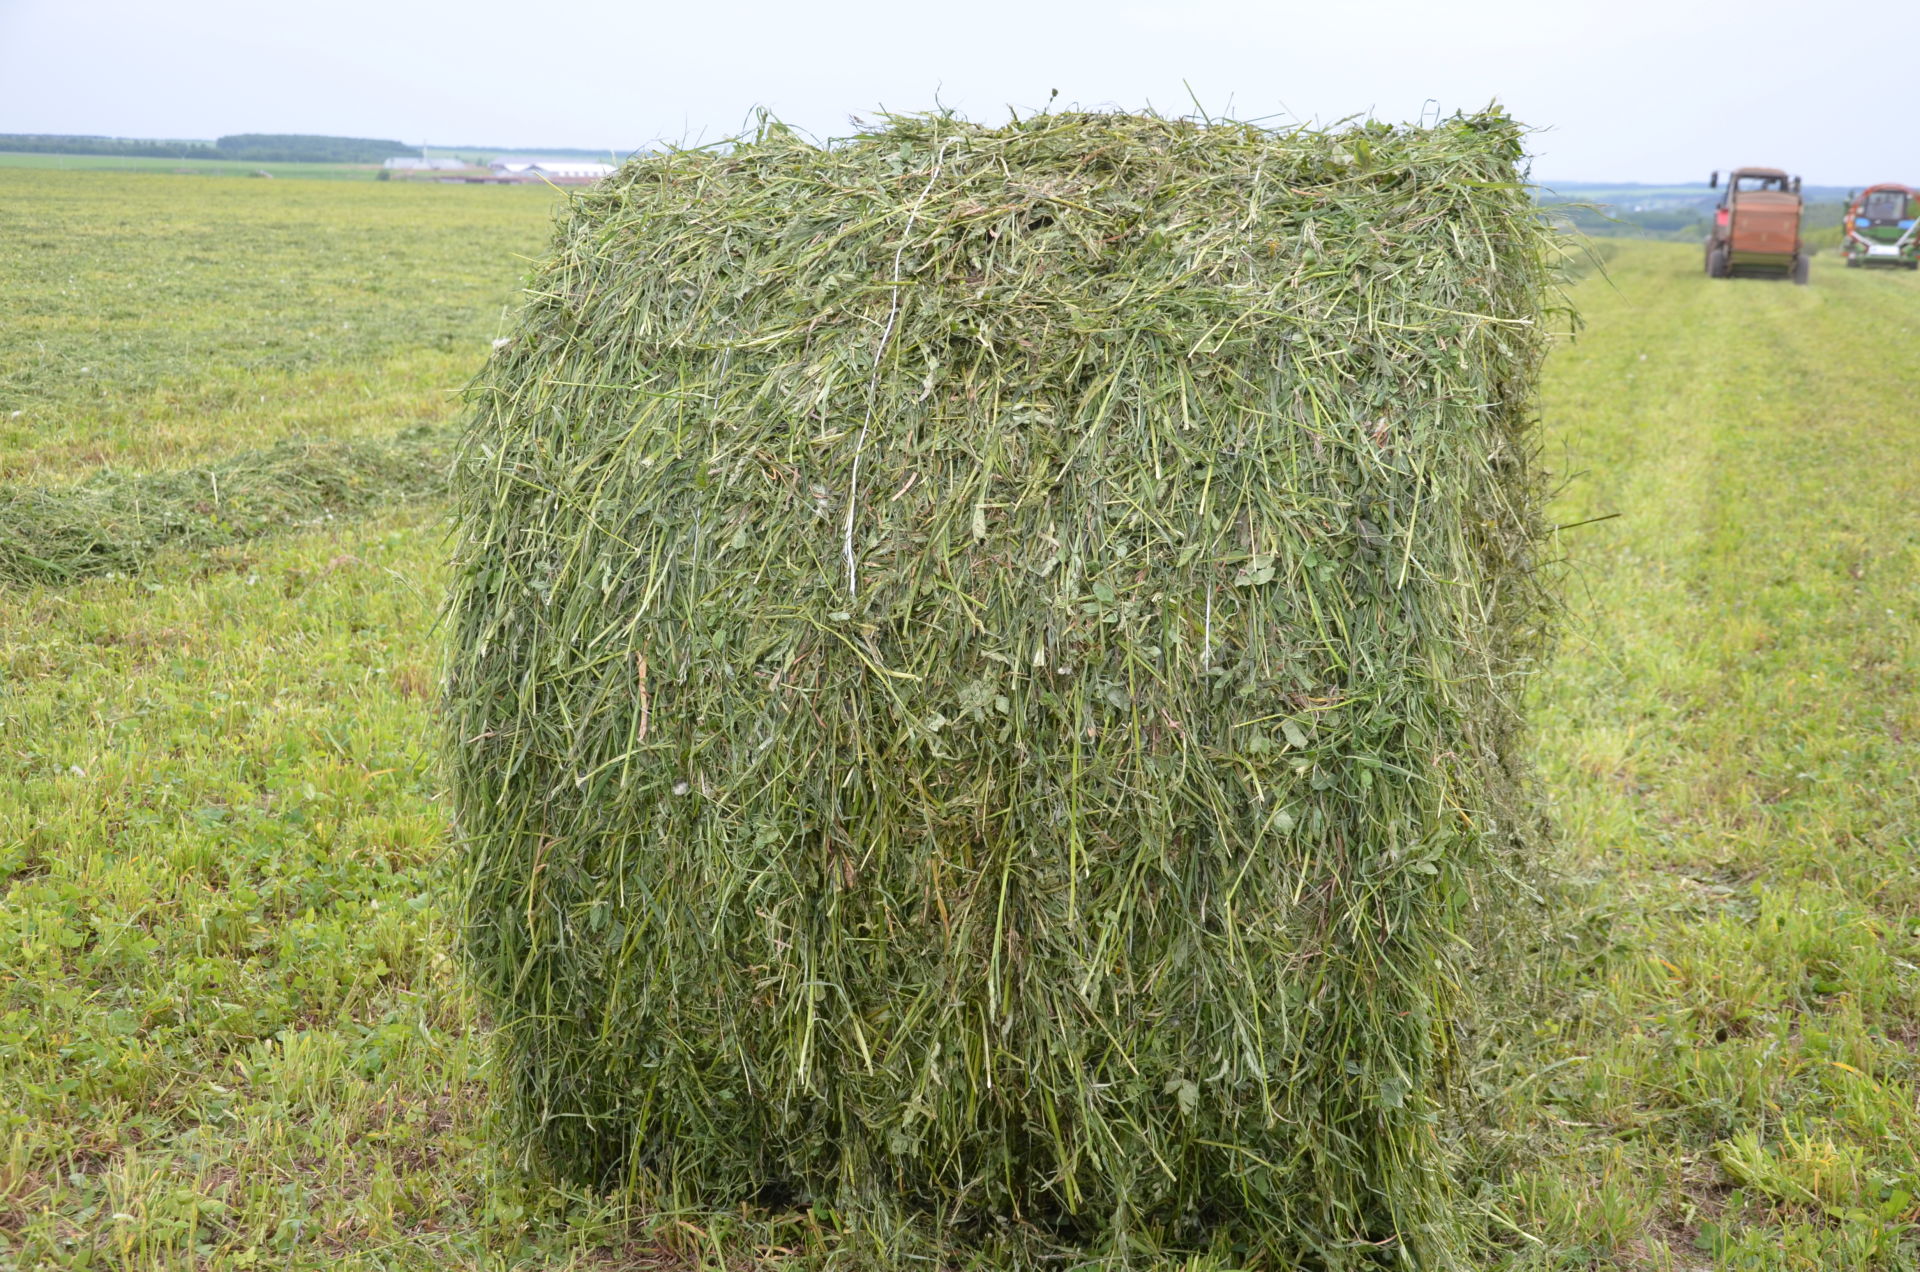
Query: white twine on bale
873,384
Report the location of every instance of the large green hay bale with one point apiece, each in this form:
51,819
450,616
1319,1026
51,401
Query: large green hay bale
984,674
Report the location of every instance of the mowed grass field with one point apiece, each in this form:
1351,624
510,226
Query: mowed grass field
188,167
1731,739
232,1032
156,320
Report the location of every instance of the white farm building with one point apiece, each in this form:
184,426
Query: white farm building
560,171
424,165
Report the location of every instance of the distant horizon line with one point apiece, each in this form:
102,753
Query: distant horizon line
131,139
650,148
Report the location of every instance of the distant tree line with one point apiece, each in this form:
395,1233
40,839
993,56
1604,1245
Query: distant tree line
1612,222
252,147
37,144
297,148
1682,224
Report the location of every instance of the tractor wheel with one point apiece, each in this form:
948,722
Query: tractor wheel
1717,262
1800,266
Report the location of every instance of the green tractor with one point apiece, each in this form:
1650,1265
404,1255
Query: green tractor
1880,227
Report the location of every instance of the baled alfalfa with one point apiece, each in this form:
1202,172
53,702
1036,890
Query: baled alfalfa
984,673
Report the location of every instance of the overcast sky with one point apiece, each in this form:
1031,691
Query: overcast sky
1624,90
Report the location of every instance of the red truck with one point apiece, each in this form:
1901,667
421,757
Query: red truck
1756,227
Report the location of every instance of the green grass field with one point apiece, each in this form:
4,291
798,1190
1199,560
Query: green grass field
231,1032
1730,736
157,321
187,167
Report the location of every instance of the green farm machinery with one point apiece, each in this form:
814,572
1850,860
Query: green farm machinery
1880,227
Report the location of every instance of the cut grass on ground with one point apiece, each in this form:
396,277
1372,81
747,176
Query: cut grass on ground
157,322
115,522
230,1035
152,165
1731,738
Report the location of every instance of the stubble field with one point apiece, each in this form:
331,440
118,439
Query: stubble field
232,1032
